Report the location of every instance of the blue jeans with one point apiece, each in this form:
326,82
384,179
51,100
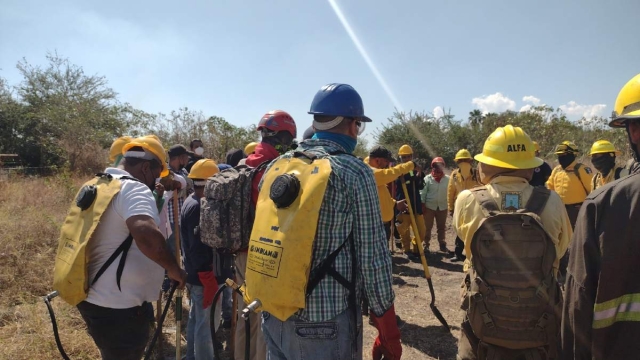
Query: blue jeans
299,339
199,341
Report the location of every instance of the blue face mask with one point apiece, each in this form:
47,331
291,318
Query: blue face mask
346,141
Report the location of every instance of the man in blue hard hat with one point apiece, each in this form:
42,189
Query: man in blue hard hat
330,324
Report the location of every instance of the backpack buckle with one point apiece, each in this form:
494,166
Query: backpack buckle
486,318
541,291
526,221
543,321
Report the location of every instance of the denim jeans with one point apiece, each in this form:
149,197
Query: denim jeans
298,339
199,341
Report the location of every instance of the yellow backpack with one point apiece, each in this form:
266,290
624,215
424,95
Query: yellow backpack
70,275
283,234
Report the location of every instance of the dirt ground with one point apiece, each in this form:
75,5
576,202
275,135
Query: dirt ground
423,337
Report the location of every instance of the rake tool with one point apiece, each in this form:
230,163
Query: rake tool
427,274
176,233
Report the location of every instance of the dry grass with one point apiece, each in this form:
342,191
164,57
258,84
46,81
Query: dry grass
31,212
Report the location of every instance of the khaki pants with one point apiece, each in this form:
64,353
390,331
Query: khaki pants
258,347
410,244
440,217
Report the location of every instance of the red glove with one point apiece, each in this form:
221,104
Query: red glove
210,284
387,343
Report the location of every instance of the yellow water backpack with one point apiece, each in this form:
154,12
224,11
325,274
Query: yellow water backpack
70,275
279,274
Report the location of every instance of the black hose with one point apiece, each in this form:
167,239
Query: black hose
54,323
156,334
247,332
216,354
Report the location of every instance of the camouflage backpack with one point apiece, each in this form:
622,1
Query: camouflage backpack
226,211
512,297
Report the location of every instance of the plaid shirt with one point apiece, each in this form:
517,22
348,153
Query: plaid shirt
182,194
350,205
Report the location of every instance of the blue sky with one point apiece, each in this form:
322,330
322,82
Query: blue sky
239,59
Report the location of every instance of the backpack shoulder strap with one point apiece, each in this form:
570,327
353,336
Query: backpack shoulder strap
122,249
576,171
482,196
538,200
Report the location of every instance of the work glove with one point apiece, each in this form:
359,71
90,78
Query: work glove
210,284
387,343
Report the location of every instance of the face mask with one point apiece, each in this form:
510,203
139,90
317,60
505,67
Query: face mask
465,169
604,164
199,151
566,160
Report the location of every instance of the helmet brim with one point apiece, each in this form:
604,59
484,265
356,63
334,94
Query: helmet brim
362,118
621,121
518,164
617,152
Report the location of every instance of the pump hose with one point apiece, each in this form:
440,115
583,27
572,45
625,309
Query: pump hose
156,334
213,311
54,323
247,332
213,333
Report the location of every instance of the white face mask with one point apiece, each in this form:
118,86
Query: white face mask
199,151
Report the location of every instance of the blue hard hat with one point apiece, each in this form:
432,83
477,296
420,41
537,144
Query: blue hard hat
338,100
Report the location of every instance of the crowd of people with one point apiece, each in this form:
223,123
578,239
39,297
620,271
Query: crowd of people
549,254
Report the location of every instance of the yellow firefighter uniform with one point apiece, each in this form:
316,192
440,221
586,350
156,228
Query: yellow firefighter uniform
468,214
383,177
571,188
457,184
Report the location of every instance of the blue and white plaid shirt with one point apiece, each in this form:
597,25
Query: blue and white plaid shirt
350,206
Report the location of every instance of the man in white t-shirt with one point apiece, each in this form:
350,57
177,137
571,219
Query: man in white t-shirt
118,310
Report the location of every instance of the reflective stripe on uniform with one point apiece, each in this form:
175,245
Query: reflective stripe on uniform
624,308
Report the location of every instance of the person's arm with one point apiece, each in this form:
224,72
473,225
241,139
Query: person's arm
581,287
152,244
549,182
385,176
371,245
452,192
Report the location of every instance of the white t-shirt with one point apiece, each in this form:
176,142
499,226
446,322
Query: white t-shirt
142,277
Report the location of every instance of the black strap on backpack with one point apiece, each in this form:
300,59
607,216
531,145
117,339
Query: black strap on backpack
577,173
537,200
122,249
326,268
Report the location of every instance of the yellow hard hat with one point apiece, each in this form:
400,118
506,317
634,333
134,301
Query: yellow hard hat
405,150
462,154
566,147
203,169
509,147
536,146
116,147
154,146
603,147
627,103
251,147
